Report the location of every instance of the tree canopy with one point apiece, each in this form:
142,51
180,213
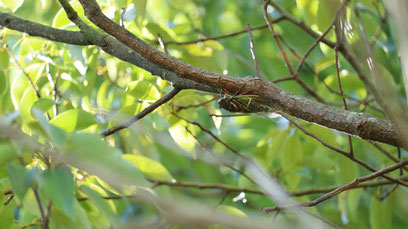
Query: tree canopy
203,114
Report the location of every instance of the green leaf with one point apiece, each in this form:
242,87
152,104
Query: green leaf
55,134
42,104
61,19
143,90
381,212
125,113
28,99
231,211
292,152
75,119
181,136
58,185
347,168
89,153
148,167
7,153
323,133
6,212
140,6
309,8
3,83
77,220
20,178
101,204
326,12
155,29
13,5
18,86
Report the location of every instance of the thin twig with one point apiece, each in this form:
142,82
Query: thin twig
339,189
320,38
399,159
43,217
219,159
162,45
386,153
224,196
225,35
299,23
287,78
215,138
342,152
141,114
9,198
293,73
243,60
110,197
322,219
122,15
179,108
228,115
364,102
255,191
388,192
275,36
342,95
30,81
252,48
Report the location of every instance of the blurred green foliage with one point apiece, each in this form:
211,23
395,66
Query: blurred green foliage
83,91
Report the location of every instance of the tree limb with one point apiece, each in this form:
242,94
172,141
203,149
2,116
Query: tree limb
338,190
143,113
359,124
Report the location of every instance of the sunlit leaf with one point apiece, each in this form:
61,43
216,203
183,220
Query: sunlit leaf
149,167
143,90
182,137
12,5
61,19
42,104
28,99
75,119
3,83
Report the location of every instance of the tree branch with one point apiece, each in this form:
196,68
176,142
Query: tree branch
143,113
38,30
358,124
339,189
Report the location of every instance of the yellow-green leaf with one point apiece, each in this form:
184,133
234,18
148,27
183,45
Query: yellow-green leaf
148,166
75,119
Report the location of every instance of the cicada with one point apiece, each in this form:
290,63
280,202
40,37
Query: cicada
242,103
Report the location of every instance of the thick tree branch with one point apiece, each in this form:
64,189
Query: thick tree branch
102,40
38,30
358,124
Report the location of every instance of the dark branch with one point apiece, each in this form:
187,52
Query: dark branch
338,190
38,30
143,113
